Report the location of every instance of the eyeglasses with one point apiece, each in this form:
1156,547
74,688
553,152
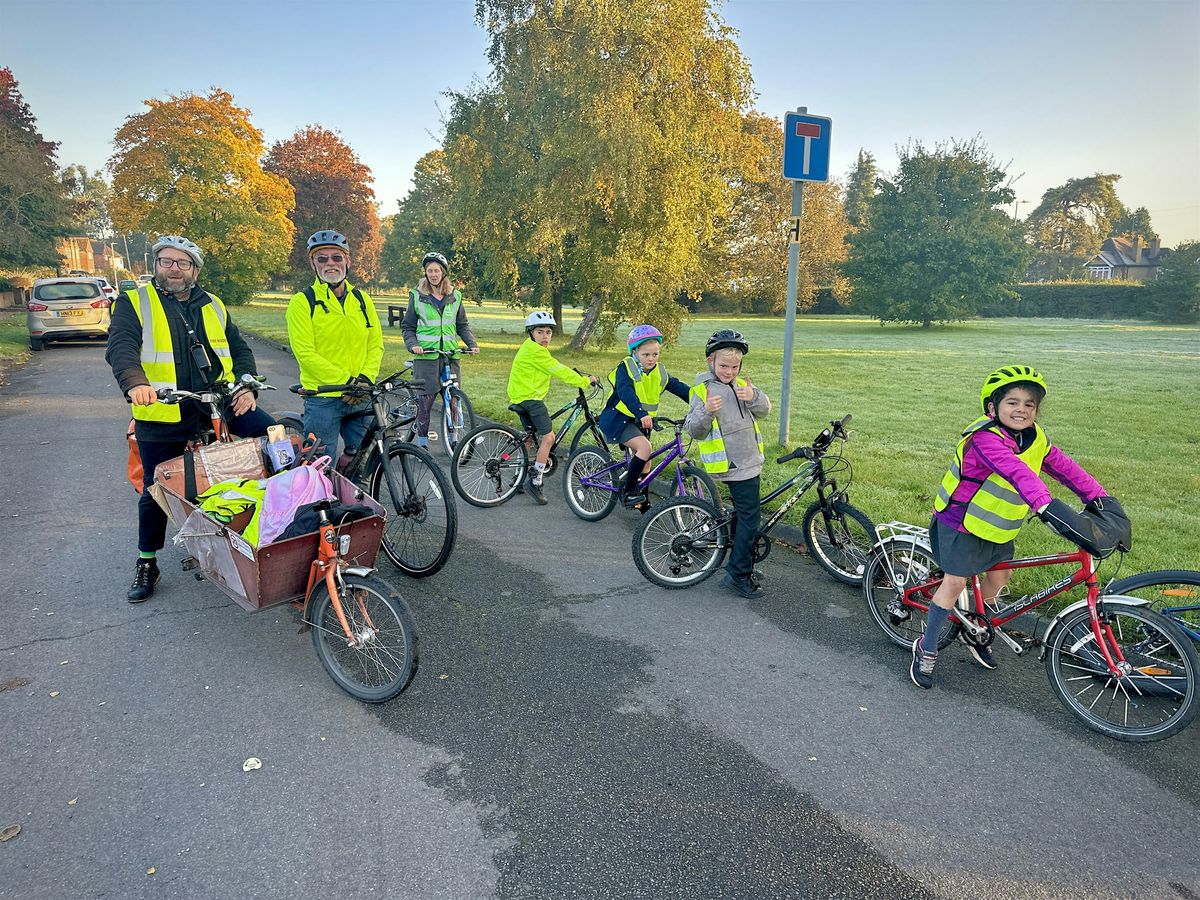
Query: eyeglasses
183,264
332,257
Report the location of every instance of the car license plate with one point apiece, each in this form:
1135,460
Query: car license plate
66,313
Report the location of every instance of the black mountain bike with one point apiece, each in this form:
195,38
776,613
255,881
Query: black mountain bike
683,540
422,520
491,463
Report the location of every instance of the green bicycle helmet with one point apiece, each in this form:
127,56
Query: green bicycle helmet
1002,378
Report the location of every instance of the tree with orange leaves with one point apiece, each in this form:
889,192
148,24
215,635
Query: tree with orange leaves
333,190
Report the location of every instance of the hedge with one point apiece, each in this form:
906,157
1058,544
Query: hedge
1073,300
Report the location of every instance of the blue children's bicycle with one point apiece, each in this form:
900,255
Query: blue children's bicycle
451,407
1173,592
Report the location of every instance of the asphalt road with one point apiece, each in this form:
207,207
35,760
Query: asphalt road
572,732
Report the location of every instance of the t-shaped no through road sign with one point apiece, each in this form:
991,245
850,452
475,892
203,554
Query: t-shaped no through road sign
806,147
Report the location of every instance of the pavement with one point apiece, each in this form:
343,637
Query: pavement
573,731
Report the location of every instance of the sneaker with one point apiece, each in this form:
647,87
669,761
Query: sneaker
633,501
145,577
743,587
982,655
535,491
921,670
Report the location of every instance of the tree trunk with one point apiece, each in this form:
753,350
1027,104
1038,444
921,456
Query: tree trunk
557,310
928,323
591,316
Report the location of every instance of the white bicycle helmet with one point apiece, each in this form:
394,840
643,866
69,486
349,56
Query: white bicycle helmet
537,318
434,256
179,243
328,238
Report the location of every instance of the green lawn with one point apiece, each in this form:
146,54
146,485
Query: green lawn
14,339
1124,401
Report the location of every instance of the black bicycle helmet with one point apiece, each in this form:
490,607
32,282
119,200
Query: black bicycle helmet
724,338
434,256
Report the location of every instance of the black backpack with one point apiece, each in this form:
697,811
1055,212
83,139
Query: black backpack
313,303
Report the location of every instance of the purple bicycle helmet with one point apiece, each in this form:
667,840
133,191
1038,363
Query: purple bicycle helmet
641,334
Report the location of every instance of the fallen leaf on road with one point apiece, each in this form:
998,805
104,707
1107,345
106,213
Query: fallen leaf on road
252,763
7,834
860,709
812,759
151,870
54,693
443,677
72,802
64,662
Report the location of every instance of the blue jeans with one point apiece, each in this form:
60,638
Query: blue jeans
329,417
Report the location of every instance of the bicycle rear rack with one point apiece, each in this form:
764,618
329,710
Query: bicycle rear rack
919,538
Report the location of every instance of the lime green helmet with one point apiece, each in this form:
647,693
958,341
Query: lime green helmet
1002,378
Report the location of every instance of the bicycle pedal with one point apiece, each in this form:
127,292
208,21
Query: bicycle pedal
432,436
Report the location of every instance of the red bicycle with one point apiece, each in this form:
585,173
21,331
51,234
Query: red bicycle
1119,666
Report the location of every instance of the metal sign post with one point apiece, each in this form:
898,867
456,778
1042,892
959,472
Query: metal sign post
805,158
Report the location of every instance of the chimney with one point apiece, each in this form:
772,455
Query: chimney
1154,245
1137,250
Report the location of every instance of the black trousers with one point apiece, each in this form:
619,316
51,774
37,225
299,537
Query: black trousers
748,507
152,521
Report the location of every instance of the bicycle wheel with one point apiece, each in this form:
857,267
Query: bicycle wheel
1154,699
589,433
1173,592
596,499
698,483
912,564
381,659
422,522
459,421
680,542
489,464
841,543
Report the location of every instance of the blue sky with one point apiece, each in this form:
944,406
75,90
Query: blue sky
1056,89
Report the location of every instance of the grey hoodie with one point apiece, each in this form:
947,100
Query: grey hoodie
736,421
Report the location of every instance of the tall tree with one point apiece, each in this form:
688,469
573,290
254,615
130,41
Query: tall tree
936,246
33,208
333,190
422,223
1174,296
89,195
597,156
1072,220
860,188
1131,223
190,166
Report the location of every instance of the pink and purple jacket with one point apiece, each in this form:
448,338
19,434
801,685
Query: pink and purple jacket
987,452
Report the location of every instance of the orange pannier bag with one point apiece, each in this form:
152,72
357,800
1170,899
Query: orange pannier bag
133,468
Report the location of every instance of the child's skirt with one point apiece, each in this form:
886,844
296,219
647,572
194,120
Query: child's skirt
959,553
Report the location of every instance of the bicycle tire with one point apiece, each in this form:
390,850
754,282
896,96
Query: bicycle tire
589,503
452,433
292,425
489,464
698,483
384,660
843,554
1161,697
582,433
680,542
913,564
1164,589
421,526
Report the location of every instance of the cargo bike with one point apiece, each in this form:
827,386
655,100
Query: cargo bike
362,629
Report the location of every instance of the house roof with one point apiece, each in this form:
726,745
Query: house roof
1118,251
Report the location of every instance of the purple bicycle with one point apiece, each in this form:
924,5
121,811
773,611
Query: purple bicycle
593,478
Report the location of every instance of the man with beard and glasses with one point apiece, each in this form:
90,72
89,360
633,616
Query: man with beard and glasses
335,335
432,324
171,333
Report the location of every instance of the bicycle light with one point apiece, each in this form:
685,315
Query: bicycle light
344,544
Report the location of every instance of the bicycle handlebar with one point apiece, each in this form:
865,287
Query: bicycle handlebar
221,390
835,431
357,387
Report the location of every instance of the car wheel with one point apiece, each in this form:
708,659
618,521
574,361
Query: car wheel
36,343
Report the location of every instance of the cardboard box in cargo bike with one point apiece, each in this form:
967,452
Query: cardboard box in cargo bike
254,577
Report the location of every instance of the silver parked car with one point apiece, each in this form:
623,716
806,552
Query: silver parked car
65,309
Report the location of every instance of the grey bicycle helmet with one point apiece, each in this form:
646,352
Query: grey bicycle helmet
724,338
179,243
434,256
326,238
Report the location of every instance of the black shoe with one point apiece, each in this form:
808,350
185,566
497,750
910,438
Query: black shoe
633,501
535,491
743,587
921,670
981,655
145,577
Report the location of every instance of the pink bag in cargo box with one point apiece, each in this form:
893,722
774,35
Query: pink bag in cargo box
287,492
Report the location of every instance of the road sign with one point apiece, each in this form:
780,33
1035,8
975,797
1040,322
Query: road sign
806,147
794,230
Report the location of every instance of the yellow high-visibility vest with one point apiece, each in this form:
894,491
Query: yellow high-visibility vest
158,356
712,445
995,512
647,385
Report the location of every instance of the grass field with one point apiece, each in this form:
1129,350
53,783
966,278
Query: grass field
14,339
1124,401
